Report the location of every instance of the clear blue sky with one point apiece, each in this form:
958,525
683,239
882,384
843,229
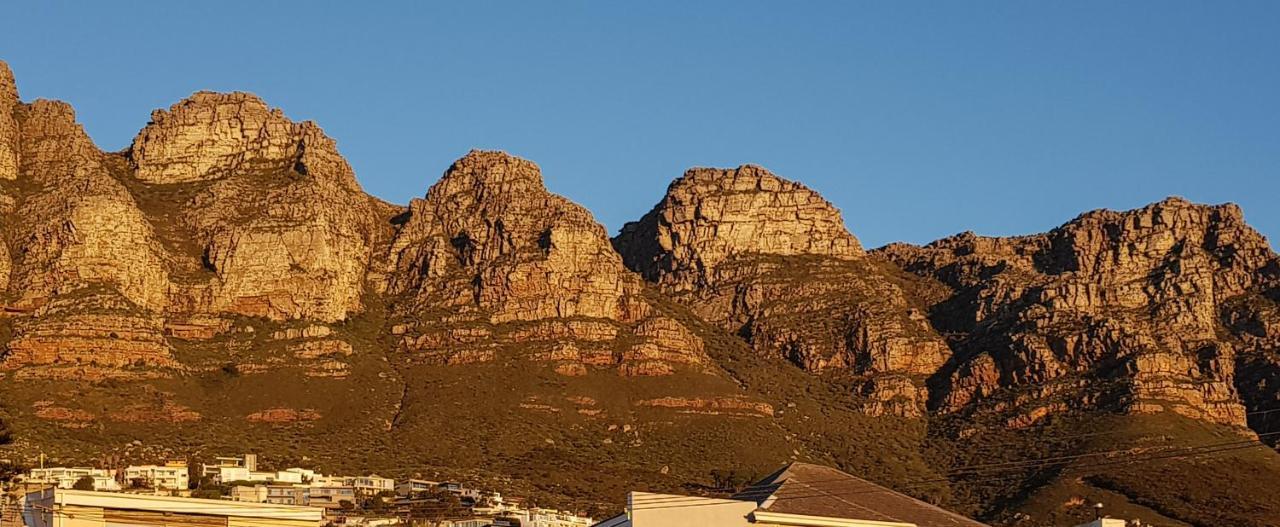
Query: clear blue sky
918,120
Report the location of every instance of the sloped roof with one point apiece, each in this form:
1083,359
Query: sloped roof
816,490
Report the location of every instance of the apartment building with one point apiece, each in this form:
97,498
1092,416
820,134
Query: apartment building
331,497
172,475
364,485
414,486
288,494
228,469
66,477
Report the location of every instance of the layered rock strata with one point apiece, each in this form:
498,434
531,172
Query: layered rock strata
771,260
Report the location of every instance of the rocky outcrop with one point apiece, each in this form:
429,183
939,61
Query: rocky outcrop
222,206
275,214
9,139
1114,310
6,267
283,415
490,258
89,334
80,225
87,273
1255,321
734,406
771,260
214,135
710,216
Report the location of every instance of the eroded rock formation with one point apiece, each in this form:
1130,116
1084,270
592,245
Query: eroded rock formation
274,214
491,258
771,260
711,216
1114,310
222,207
8,125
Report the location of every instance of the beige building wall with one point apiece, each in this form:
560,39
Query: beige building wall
667,510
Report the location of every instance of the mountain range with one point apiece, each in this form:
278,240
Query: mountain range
225,285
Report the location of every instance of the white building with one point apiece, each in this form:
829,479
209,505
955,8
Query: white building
169,476
226,474
231,474
373,484
798,495
414,486
249,493
282,476
551,518
247,464
306,474
364,485
66,477
1106,522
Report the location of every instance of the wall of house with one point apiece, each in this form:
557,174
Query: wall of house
666,510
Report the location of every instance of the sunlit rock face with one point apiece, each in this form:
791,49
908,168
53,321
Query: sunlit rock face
771,260
710,216
78,224
274,210
489,257
1118,310
84,262
9,138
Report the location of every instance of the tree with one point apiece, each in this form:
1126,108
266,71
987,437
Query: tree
211,492
8,470
84,483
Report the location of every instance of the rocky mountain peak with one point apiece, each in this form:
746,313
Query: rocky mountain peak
491,246
1107,242
490,213
209,136
8,87
709,216
489,173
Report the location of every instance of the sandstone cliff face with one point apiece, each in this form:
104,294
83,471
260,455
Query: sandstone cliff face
490,258
274,211
222,206
8,126
78,233
212,135
1255,322
710,216
770,260
1113,310
78,224
9,142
